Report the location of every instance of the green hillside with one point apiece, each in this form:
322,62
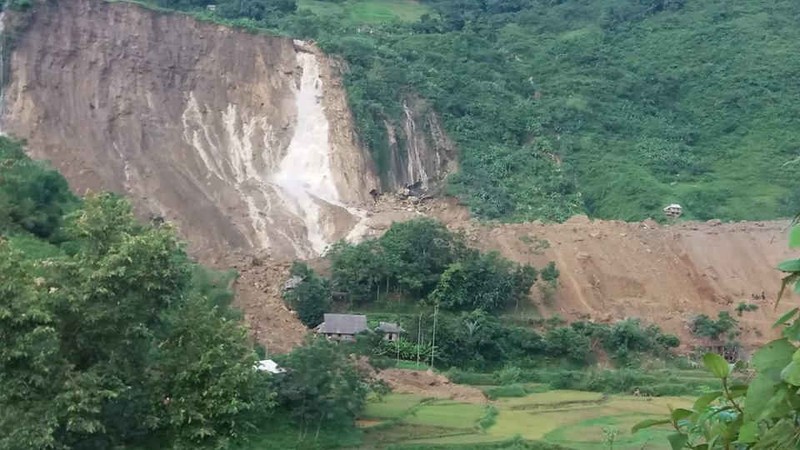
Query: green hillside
610,107
613,107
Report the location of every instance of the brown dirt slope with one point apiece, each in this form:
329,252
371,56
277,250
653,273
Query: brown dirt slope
665,275
611,270
429,384
190,120
259,296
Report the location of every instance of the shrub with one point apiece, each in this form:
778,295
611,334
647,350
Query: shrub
473,378
508,375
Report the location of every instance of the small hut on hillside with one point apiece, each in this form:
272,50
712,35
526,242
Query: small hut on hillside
342,327
391,331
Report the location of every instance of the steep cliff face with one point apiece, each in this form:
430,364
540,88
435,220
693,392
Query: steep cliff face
244,141
420,150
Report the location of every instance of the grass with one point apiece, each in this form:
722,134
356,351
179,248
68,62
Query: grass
392,406
368,11
449,415
572,419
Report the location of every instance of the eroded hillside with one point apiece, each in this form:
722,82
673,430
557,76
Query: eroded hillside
611,270
243,140
246,143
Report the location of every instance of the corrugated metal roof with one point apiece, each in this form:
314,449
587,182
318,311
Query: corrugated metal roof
390,327
343,324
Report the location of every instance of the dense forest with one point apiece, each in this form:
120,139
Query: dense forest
112,337
614,108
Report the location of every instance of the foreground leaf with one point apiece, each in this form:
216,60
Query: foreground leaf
717,365
773,356
649,423
786,281
748,433
790,266
794,237
704,400
786,317
761,389
677,440
680,414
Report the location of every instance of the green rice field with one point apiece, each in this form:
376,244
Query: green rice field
573,419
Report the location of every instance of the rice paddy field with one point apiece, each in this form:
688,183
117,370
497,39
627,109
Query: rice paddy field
573,419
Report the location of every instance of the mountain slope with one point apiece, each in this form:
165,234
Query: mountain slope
611,107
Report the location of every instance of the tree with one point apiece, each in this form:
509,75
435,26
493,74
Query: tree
358,271
321,387
31,368
255,9
483,281
33,198
418,252
108,344
311,297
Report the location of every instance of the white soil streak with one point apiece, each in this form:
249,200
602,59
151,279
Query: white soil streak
415,167
304,177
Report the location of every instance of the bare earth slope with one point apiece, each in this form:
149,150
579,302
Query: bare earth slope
244,140
611,270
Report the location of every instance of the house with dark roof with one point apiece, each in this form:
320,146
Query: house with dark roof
342,327
391,331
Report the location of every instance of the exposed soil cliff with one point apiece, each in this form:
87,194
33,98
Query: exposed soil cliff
420,150
243,140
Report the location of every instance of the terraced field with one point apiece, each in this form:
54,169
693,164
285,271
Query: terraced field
574,419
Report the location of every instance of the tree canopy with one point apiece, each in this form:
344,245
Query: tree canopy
113,338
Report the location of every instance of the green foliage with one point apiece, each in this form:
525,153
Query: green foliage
266,11
743,307
510,390
110,343
489,417
321,387
480,341
725,326
759,415
550,273
487,282
19,5
565,106
419,251
421,258
403,349
310,297
648,383
33,198
509,375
